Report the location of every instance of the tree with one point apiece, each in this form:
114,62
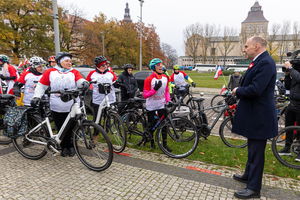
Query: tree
283,43
272,47
227,42
192,40
170,55
208,33
26,28
296,36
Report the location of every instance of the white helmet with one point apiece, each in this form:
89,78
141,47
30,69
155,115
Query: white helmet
36,61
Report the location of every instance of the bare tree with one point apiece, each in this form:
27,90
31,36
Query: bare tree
227,44
170,54
272,39
283,43
192,40
296,35
208,33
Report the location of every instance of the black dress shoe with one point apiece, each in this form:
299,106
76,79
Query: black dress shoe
240,178
65,152
247,194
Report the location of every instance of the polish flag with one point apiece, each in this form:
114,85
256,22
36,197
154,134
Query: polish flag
218,72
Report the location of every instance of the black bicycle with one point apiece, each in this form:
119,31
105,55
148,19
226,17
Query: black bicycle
227,111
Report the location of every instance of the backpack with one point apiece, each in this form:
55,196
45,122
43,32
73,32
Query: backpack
15,122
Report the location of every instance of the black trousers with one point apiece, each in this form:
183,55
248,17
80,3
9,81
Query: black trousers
153,117
255,163
59,119
291,116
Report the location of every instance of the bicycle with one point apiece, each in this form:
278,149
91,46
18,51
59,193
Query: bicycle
183,92
6,101
278,143
219,99
227,110
110,120
91,144
174,132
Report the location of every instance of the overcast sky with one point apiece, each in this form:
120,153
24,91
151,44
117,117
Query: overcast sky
170,17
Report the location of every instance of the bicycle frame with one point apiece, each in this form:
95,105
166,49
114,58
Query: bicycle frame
104,104
76,110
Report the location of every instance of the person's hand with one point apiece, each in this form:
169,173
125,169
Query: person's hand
233,92
193,84
287,65
85,86
157,85
35,102
2,77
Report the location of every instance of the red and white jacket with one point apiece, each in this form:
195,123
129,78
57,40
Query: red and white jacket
30,81
179,79
9,71
58,81
107,77
156,100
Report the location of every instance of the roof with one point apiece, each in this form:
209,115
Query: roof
255,14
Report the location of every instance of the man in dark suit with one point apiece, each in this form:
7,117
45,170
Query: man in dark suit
255,117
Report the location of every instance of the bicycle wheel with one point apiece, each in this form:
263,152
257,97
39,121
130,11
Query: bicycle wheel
3,138
29,149
115,130
174,137
192,104
135,125
92,146
217,100
229,138
278,143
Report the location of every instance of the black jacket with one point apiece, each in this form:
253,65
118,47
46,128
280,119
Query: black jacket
292,83
128,85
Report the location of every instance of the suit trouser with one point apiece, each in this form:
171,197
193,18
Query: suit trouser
255,163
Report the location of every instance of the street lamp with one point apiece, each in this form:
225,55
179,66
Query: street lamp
56,28
141,35
103,48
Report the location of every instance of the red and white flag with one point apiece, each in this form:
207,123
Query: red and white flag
218,72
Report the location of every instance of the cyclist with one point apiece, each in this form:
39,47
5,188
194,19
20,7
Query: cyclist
127,83
61,77
51,62
179,78
234,80
101,74
156,93
29,79
9,73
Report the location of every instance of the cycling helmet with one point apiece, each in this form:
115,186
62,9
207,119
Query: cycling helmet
4,58
36,61
127,66
176,67
99,60
154,62
60,55
51,59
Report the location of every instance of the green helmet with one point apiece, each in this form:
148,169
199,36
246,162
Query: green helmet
176,67
154,62
4,58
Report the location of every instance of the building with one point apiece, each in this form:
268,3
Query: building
227,49
127,14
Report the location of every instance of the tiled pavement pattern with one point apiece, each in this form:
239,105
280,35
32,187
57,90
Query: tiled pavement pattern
141,175
138,175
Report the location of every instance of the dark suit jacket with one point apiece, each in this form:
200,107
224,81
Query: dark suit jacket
255,117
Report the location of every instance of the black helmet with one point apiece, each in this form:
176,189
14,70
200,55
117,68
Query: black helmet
99,59
295,58
127,66
60,55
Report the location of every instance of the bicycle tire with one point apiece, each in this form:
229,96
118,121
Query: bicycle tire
217,100
192,104
88,149
178,146
115,130
27,148
279,141
231,139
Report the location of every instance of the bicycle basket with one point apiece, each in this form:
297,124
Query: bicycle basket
15,121
104,88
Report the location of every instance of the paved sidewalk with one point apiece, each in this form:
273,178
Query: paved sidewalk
133,175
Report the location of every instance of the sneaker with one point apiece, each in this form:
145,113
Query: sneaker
285,151
297,158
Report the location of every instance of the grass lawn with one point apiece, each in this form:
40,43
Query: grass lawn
214,151
205,79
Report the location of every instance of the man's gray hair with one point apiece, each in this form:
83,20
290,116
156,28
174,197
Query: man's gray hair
259,40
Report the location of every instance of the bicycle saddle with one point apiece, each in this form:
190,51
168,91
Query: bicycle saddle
197,99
